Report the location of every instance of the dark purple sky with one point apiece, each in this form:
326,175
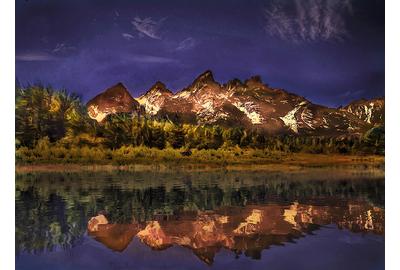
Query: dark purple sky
330,51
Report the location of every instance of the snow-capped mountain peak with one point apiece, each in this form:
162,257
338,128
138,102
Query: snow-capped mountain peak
253,104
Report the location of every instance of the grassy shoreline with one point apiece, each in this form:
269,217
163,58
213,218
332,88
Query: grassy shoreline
273,162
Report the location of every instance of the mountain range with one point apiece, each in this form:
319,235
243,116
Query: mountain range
250,104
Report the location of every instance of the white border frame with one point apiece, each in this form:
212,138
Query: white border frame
7,140
392,134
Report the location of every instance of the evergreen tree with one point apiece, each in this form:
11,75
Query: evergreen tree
176,137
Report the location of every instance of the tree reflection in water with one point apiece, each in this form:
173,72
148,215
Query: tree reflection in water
207,211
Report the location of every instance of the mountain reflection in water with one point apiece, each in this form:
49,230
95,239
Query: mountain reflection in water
247,230
203,212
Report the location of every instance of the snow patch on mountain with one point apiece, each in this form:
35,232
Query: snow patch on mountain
303,103
371,112
209,114
307,117
208,105
290,120
249,109
368,113
182,94
150,107
96,114
207,111
224,96
325,123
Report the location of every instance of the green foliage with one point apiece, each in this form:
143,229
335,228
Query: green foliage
176,137
54,125
374,140
41,112
117,130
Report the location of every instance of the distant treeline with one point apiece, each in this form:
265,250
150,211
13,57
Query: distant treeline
59,119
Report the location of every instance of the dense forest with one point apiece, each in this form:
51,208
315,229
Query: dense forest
54,125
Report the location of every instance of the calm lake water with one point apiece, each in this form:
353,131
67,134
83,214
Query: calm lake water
312,219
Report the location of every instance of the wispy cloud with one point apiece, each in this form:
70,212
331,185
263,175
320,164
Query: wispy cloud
35,56
127,36
308,20
148,27
186,44
62,48
351,94
151,59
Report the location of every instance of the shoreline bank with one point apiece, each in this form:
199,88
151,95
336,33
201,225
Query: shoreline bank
290,162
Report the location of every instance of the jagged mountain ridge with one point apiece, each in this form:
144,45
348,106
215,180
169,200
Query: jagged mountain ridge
252,104
155,98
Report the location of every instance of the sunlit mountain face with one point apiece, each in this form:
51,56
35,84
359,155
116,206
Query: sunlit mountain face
251,104
172,219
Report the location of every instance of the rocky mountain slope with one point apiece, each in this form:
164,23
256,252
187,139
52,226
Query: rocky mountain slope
370,111
250,104
115,99
154,99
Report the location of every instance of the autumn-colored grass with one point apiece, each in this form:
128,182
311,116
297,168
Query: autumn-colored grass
143,158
